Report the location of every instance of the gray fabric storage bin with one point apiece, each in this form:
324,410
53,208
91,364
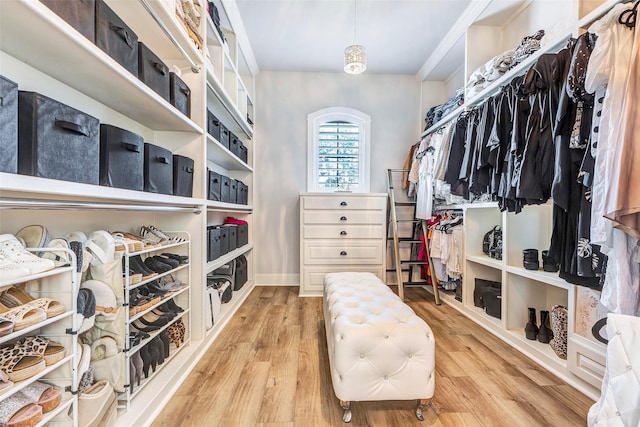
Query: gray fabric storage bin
179,94
182,176
244,153
153,72
213,125
80,14
241,273
225,136
242,235
243,193
214,180
115,38
225,188
232,236
233,190
8,125
213,246
235,145
57,141
121,158
158,169
224,240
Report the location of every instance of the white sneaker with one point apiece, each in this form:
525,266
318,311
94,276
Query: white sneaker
9,270
12,250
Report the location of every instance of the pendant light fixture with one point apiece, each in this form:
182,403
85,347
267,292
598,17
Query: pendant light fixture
355,56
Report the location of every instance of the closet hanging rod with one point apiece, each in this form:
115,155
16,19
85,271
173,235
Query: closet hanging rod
194,67
8,204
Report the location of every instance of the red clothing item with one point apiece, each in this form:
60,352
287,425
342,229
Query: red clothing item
232,220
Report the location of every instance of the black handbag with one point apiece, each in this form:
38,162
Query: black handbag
492,300
492,243
480,286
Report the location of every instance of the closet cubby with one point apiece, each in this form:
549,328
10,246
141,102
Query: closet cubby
478,221
529,229
58,62
473,271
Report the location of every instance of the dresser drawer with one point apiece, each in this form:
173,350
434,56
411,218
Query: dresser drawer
343,252
344,202
314,276
344,217
586,360
343,231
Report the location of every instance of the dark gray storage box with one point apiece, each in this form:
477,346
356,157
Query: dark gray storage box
182,176
233,190
225,136
121,158
225,188
243,193
115,38
8,125
242,235
213,125
235,145
179,94
57,141
224,240
153,72
158,169
244,153
214,186
241,275
80,14
213,246
232,236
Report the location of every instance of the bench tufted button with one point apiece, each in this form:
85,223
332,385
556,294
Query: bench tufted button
386,377
386,337
410,355
361,355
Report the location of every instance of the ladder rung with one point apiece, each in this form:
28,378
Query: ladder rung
405,239
408,220
412,262
393,270
405,203
416,284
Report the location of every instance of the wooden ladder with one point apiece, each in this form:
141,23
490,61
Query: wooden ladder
419,227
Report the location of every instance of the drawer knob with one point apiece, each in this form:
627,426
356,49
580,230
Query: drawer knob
343,218
343,203
343,233
343,253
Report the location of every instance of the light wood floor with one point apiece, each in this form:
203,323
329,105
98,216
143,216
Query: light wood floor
269,367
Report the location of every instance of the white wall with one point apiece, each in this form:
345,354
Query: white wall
284,99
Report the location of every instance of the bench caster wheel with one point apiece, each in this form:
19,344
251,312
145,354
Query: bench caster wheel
346,405
422,404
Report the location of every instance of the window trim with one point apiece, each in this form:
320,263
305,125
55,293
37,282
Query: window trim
314,120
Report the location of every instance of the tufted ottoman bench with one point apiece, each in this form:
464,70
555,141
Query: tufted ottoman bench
378,348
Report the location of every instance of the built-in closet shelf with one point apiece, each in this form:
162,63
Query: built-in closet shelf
222,156
597,13
485,260
551,279
228,207
83,63
228,309
26,331
446,119
483,317
224,107
519,69
545,350
138,14
224,259
76,191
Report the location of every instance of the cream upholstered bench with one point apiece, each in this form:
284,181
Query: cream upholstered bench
379,349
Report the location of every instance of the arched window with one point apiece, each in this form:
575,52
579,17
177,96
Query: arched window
338,156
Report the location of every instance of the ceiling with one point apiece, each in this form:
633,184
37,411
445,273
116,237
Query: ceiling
311,35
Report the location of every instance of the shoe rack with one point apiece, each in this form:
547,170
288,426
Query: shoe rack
180,296
60,63
61,285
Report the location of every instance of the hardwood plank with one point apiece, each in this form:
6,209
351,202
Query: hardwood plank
270,367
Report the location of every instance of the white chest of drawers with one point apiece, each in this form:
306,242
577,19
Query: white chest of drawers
341,232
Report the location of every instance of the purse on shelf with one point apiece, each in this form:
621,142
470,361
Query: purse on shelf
492,243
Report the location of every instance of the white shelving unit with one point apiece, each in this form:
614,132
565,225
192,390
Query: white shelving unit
489,28
59,62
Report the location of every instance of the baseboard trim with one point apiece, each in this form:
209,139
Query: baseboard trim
277,280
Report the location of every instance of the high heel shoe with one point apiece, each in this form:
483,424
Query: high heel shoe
146,360
160,349
154,355
165,343
139,365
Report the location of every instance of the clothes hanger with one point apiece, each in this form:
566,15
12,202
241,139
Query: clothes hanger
628,17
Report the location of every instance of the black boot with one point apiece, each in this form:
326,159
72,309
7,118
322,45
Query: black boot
531,329
545,334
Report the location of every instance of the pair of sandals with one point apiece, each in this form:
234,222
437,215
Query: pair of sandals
27,406
29,356
158,236
19,310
